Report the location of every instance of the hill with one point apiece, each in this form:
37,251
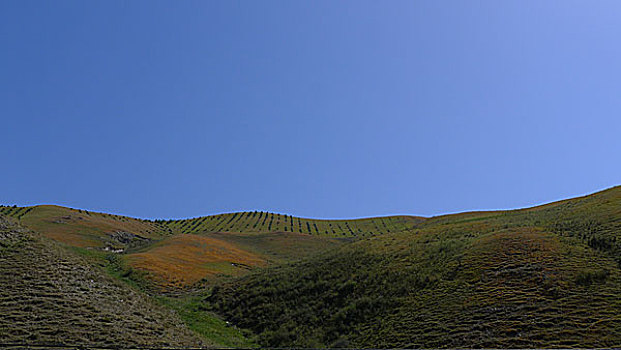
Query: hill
547,276
541,277
180,253
84,227
50,295
272,222
87,262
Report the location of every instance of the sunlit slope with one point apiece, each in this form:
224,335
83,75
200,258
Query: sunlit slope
168,256
547,276
185,259
50,295
82,228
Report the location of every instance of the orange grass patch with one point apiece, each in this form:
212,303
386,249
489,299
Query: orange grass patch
185,259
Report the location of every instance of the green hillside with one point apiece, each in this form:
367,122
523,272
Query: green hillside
50,295
548,276
272,222
82,228
178,254
50,218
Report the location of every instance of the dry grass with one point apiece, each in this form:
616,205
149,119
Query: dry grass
49,295
183,260
85,229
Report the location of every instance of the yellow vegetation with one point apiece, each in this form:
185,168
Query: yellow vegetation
185,259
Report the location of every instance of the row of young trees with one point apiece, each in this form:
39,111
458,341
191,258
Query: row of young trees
265,221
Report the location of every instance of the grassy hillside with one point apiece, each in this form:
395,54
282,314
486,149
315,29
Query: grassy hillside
181,253
547,276
271,222
87,228
81,228
184,260
50,295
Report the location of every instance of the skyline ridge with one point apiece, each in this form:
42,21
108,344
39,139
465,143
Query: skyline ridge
328,218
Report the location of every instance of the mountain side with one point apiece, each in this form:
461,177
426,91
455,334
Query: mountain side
547,276
50,295
181,253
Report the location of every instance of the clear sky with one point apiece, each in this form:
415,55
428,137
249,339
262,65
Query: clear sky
315,108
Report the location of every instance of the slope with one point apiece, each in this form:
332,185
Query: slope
82,228
88,228
262,222
180,253
184,260
50,295
547,276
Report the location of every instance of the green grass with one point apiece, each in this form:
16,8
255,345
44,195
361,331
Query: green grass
51,295
205,323
534,278
188,307
274,238
115,267
547,276
83,228
280,247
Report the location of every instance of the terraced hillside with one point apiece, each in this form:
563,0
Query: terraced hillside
49,295
542,277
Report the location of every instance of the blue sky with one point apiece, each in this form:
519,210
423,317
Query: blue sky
317,109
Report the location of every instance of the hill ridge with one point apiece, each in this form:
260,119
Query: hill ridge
19,211
253,221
